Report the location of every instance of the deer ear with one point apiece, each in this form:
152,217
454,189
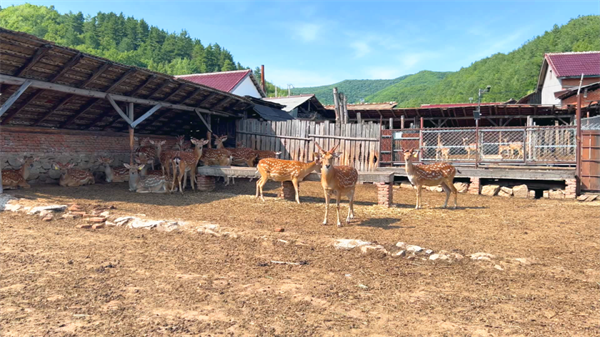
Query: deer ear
162,142
415,154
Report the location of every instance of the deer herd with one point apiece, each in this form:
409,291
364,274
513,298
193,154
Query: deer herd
179,162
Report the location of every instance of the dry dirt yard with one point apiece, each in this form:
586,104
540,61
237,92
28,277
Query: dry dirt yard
60,280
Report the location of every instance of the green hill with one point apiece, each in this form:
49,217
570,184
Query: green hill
405,91
355,90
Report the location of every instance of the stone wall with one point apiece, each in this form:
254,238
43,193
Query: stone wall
79,147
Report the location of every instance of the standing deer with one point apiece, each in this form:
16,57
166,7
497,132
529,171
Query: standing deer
146,184
284,170
430,175
219,156
164,156
149,151
516,146
115,174
71,177
471,147
179,173
338,179
191,160
241,155
441,151
18,178
504,148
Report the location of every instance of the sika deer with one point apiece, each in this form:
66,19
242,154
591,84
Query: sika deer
241,155
219,156
149,151
147,184
191,160
164,156
430,175
471,147
116,174
73,177
18,178
284,170
338,179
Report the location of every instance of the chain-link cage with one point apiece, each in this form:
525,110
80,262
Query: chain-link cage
552,144
502,145
449,145
592,123
404,140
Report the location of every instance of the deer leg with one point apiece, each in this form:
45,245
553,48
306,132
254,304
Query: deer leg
295,182
326,205
257,188
338,198
455,192
447,190
350,206
262,183
174,176
418,197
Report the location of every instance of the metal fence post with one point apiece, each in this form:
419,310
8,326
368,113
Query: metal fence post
477,143
578,143
421,141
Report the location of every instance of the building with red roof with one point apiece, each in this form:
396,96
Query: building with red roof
238,82
561,72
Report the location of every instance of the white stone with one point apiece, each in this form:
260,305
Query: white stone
482,256
124,220
55,208
429,252
146,224
372,248
434,257
498,267
413,249
521,191
490,190
461,187
349,243
400,253
401,245
524,261
505,192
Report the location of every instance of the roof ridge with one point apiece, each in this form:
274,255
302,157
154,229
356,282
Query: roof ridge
575,52
216,73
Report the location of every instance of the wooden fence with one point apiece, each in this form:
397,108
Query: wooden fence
295,139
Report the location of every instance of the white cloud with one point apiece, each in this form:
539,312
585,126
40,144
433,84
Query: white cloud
298,77
361,48
307,32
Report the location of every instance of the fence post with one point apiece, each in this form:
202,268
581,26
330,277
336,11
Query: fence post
421,140
477,143
578,142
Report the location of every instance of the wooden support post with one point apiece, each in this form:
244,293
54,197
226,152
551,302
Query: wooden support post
336,104
358,118
13,98
209,132
578,140
391,123
477,143
131,133
402,122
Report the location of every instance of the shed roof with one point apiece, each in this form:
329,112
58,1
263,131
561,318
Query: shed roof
272,114
366,106
224,80
69,90
574,64
290,102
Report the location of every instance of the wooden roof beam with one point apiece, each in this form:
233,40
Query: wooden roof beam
54,108
39,53
160,87
178,90
129,72
95,75
72,62
14,97
10,116
141,86
83,110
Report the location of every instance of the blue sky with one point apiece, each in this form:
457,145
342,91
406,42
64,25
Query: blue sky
316,43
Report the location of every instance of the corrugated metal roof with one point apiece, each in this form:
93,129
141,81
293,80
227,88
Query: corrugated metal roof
366,106
574,64
225,80
272,114
290,102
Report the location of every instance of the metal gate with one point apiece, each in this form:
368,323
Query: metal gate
590,155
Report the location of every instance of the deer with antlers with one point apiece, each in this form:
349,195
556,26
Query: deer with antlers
284,170
18,178
339,180
471,147
71,177
114,174
430,175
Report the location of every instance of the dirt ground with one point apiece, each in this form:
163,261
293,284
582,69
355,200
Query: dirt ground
58,280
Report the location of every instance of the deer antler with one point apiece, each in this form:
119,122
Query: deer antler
335,147
319,146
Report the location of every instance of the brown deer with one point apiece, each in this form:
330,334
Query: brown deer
146,184
441,151
219,156
114,174
149,151
179,173
430,175
284,170
267,154
241,155
18,178
164,156
191,160
516,146
471,147
339,180
504,148
71,177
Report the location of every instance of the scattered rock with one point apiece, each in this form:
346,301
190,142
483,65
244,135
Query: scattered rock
75,207
438,256
105,214
372,248
95,220
124,220
68,216
429,252
98,225
146,224
505,192
498,267
54,208
490,190
482,257
110,224
413,249
280,230
524,261
400,253
48,217
401,245
85,226
521,191
556,194
43,213
11,207
349,243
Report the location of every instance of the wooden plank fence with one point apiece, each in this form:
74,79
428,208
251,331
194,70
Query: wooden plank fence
295,139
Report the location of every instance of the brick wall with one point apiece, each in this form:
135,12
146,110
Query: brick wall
79,147
592,96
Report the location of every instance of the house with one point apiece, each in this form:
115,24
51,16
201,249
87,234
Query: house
305,106
561,72
590,94
238,82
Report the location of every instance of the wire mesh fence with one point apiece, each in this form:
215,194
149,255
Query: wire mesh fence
511,145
